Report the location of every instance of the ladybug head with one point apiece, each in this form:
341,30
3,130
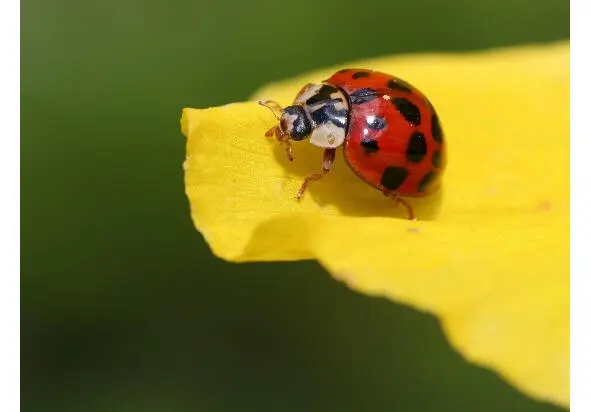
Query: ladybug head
294,121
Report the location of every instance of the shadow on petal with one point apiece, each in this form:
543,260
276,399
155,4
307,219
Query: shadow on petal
343,189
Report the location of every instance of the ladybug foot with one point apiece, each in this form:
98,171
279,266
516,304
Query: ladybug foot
282,139
402,202
289,153
299,194
288,149
307,180
328,159
270,132
304,185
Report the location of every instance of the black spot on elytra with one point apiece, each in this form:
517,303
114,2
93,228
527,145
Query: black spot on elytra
362,96
400,85
361,75
369,145
436,159
416,148
426,181
408,110
436,131
322,95
376,122
393,177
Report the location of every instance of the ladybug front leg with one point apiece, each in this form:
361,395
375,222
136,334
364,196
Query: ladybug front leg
327,161
283,139
288,149
271,132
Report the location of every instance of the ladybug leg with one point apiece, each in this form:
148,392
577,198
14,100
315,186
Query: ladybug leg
288,150
400,201
282,138
327,161
271,131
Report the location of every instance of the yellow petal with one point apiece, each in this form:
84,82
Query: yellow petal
490,253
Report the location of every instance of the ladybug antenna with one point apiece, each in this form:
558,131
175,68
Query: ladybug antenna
275,108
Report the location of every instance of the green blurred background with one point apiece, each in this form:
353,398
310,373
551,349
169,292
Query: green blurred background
123,306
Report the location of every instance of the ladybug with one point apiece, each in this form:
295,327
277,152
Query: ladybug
389,131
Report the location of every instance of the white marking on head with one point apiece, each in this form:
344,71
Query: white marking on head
287,121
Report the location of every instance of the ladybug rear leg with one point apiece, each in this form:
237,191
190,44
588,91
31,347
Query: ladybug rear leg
327,161
401,201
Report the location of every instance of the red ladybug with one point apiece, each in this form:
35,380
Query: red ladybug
390,132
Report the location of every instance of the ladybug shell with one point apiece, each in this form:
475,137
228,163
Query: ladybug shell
394,140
